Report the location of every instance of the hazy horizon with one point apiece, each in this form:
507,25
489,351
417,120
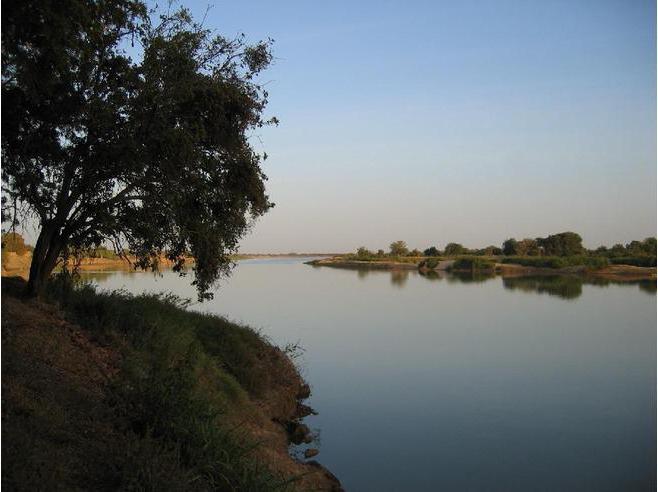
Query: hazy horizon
469,122
438,122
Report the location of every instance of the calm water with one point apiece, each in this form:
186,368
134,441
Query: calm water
459,384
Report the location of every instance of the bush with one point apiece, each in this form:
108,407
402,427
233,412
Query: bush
592,262
640,261
431,251
473,263
183,373
430,263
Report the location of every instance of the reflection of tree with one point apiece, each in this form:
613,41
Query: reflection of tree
431,274
470,277
399,277
569,286
362,273
563,286
648,286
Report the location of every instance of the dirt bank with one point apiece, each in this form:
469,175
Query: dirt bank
62,418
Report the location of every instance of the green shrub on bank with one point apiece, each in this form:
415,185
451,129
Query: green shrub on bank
640,261
473,263
592,262
430,263
183,372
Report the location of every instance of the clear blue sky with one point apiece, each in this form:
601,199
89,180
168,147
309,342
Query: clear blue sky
467,121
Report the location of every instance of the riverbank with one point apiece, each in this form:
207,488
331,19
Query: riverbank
612,272
110,390
14,264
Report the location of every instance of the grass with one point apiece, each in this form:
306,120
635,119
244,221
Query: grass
473,263
591,262
165,421
379,259
639,261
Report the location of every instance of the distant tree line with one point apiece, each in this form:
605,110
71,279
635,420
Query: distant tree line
563,244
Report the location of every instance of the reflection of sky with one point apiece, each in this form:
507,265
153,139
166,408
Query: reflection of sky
457,385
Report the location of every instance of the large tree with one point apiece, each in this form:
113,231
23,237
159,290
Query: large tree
152,153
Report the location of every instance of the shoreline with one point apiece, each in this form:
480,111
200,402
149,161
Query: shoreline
611,272
14,264
271,416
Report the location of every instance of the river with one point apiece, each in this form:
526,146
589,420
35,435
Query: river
457,383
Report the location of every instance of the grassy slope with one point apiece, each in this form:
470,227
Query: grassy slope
112,392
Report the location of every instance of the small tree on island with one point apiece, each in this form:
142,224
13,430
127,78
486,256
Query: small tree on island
151,154
399,248
431,251
453,249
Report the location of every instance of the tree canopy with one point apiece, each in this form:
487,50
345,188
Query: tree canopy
399,248
152,154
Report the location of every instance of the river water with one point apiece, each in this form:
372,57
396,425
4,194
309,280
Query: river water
458,383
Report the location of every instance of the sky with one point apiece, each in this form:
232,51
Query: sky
452,121
466,121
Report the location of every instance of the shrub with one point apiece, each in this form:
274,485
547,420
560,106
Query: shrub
640,261
593,262
431,251
183,373
430,263
473,263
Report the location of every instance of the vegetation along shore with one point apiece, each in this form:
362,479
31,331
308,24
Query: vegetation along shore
144,392
561,253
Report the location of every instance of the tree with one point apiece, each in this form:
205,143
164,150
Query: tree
399,248
510,247
453,249
490,251
649,246
617,250
363,252
528,247
635,248
562,244
415,252
431,251
151,154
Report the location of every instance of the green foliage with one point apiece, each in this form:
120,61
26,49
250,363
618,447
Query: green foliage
430,263
640,261
474,263
152,150
453,249
399,248
489,251
183,371
647,247
364,253
562,244
593,262
528,247
432,251
510,247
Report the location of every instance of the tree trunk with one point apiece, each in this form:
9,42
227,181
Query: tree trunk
44,259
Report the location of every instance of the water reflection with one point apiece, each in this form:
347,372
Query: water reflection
566,287
469,277
570,286
459,382
562,286
399,277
